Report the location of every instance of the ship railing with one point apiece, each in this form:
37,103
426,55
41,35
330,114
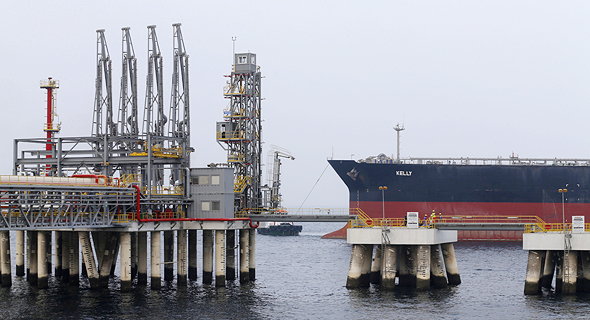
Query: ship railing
299,211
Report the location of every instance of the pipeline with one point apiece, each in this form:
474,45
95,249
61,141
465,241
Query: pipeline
185,219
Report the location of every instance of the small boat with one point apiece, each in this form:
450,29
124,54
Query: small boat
280,229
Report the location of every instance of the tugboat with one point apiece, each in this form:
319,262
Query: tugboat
280,229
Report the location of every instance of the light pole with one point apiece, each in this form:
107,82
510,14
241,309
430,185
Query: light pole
563,191
383,188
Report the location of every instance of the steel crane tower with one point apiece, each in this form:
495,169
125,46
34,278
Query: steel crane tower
103,102
154,124
275,154
241,132
128,123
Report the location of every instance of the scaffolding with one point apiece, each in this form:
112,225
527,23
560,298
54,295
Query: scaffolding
241,132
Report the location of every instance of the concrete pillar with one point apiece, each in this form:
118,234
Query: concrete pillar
448,250
244,255
252,253
192,255
115,254
182,265
133,255
48,251
220,258
20,253
142,254
365,280
558,271
65,255
407,266
389,269
585,279
423,268
570,272
548,269
88,257
57,240
532,284
376,265
32,257
156,260
357,261
42,270
438,276
109,243
125,261
230,255
168,255
207,256
6,267
74,258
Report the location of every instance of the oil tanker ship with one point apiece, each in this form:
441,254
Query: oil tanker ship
468,186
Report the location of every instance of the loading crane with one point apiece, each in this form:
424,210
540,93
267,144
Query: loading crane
274,155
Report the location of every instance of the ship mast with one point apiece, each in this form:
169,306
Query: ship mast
398,129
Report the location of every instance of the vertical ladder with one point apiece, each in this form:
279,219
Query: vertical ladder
567,247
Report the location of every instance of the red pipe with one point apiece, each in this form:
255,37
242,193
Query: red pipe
185,219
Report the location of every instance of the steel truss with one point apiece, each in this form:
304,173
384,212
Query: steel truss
53,207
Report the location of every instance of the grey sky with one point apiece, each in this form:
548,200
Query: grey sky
468,78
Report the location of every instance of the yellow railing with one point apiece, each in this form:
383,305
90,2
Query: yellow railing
241,183
159,152
128,179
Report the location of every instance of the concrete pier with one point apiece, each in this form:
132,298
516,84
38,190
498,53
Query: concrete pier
5,262
585,275
244,256
65,256
32,257
570,272
102,248
134,256
423,268
142,258
453,277
88,257
407,266
168,255
125,253
252,254
42,270
437,267
230,255
376,265
156,278
532,284
389,266
74,258
192,255
357,261
57,244
423,257
207,256
556,257
20,253
182,250
220,258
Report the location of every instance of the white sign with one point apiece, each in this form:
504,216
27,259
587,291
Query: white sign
413,220
578,224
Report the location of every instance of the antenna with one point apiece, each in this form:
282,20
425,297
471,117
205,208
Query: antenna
398,129
233,39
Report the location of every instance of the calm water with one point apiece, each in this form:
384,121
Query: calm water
303,278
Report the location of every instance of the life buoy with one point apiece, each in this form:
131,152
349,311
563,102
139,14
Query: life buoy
369,222
254,226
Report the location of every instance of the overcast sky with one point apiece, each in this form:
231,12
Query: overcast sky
466,78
